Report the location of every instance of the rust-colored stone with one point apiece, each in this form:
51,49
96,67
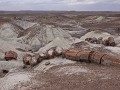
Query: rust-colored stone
9,55
76,54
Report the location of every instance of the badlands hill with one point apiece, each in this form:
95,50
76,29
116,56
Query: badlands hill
38,32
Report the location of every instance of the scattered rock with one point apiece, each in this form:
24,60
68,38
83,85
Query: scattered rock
111,41
9,55
47,63
107,42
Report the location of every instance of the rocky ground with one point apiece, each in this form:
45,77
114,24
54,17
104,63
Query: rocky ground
36,33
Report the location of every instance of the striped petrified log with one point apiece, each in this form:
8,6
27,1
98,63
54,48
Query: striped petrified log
76,55
9,55
107,59
90,56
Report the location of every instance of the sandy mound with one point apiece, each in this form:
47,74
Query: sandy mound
96,34
99,19
69,70
58,42
42,35
8,30
8,65
53,62
23,24
14,80
78,76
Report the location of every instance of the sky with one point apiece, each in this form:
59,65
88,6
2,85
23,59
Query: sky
60,5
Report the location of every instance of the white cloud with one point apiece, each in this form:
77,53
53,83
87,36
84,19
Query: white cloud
59,4
67,2
84,2
27,1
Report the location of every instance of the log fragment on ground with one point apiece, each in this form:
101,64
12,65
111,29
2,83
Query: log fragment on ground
90,56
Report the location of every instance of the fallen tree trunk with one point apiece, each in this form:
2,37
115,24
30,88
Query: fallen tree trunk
90,56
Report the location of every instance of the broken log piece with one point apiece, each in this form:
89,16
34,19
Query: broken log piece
105,59
111,41
76,55
27,59
106,42
44,56
94,40
110,60
96,57
32,59
91,56
9,55
51,53
99,41
58,51
88,39
36,59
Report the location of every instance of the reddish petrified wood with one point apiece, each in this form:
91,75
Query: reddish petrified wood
51,52
27,59
9,55
90,56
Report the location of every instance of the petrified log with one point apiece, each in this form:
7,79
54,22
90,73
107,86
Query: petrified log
100,40
44,56
88,39
96,57
91,40
9,55
58,51
111,41
36,59
90,56
32,59
76,55
51,52
106,42
27,59
94,40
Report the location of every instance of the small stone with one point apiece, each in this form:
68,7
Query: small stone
47,63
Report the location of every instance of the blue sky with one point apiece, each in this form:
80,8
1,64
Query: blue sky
78,5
